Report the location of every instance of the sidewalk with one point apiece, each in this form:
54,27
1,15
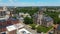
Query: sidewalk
29,29
52,28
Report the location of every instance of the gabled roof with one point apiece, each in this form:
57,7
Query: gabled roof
47,18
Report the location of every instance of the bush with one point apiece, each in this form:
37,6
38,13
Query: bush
14,17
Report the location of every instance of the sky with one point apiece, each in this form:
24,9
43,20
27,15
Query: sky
29,2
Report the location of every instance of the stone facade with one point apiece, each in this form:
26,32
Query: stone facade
47,21
57,30
42,19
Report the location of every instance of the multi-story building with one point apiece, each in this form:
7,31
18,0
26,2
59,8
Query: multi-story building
38,17
47,21
5,20
57,29
4,14
9,24
42,19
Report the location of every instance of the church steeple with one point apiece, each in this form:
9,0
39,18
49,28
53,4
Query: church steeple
40,16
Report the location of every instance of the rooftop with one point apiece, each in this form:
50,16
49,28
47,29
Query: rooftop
47,18
24,30
1,8
5,23
10,28
58,27
14,27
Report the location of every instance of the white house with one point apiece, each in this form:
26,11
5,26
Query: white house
24,15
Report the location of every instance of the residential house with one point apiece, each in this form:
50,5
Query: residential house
21,16
24,15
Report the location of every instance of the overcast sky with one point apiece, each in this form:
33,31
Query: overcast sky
29,2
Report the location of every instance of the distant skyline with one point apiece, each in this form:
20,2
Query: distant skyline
29,2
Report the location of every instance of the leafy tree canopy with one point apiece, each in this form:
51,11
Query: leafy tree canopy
28,20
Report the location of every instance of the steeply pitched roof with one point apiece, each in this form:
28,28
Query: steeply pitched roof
47,18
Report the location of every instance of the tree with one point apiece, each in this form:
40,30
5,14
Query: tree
14,17
54,15
33,26
28,20
39,30
29,10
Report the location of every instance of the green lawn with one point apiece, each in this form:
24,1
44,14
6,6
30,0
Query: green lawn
43,29
40,28
33,26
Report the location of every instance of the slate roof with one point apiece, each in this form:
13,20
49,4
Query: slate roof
35,15
48,19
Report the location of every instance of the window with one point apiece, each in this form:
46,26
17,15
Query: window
2,13
3,33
